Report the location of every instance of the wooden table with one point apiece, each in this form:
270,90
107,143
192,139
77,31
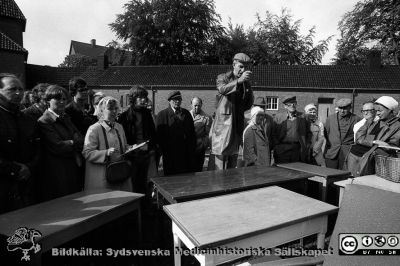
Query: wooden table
368,180
63,219
265,217
324,176
199,185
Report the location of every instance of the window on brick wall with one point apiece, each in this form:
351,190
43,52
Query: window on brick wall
272,103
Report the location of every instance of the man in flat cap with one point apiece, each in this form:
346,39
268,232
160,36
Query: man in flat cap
234,97
176,136
339,128
291,134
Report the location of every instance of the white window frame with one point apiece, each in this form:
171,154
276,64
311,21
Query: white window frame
272,104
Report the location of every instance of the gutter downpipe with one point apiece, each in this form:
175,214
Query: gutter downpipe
354,93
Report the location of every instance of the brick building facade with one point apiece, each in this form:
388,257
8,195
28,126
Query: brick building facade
321,85
13,56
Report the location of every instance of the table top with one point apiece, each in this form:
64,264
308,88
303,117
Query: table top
247,213
198,185
371,181
365,210
316,170
79,212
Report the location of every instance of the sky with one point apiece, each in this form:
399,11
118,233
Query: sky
52,24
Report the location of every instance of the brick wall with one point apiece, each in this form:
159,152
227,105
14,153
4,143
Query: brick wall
13,63
208,96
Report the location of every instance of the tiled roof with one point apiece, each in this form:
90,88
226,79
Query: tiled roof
269,76
64,74
87,49
7,43
9,8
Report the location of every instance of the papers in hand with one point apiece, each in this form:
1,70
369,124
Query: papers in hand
136,146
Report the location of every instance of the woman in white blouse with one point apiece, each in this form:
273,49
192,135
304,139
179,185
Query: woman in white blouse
95,151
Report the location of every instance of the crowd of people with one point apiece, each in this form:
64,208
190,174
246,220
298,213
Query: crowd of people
56,141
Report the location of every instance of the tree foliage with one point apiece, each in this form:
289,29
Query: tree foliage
371,25
118,54
168,31
276,39
78,60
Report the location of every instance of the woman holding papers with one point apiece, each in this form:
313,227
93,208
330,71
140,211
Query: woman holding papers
97,155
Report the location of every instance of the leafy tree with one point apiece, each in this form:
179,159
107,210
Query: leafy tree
168,31
119,54
276,39
78,60
371,25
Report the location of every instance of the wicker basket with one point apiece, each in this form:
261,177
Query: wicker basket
388,168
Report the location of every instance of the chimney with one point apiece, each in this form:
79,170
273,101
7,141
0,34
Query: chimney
102,62
93,42
374,59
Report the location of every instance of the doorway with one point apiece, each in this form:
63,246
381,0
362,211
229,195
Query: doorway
325,108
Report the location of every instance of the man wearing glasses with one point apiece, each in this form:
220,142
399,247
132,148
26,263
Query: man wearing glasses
370,122
340,136
291,134
176,136
77,108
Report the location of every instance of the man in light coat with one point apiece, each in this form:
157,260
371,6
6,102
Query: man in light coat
234,97
202,125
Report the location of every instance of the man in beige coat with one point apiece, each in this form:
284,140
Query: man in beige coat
234,97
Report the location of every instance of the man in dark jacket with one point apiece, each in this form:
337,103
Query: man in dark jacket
291,134
139,127
340,135
234,97
176,136
77,108
19,147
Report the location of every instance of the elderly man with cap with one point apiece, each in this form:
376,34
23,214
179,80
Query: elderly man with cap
317,138
234,97
176,136
339,128
291,134
256,145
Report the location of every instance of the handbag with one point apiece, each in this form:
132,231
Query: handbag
118,171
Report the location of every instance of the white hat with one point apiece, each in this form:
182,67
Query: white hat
309,107
388,102
255,111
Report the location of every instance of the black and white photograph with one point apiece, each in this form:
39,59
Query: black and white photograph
199,132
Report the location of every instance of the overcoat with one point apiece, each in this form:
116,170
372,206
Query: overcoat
256,146
303,131
232,101
19,143
335,141
95,153
177,140
61,160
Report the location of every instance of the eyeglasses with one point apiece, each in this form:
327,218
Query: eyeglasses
290,104
368,111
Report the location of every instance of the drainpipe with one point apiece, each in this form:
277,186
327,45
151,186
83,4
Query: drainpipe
153,99
354,94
